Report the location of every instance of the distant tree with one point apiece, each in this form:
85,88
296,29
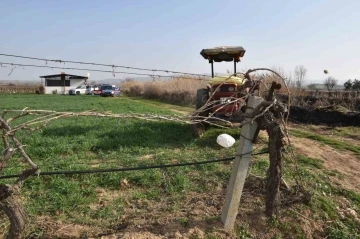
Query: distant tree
299,75
348,85
330,82
356,85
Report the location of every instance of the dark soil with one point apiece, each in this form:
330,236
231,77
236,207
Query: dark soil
333,116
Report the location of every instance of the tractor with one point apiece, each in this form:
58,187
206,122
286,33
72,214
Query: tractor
221,99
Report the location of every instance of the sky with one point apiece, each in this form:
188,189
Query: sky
170,35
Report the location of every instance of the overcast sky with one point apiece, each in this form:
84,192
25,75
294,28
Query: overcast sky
170,35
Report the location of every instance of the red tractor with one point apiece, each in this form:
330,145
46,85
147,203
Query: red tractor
222,98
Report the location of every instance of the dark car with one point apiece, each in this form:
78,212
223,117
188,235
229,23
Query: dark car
109,90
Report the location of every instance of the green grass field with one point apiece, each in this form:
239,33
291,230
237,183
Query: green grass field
91,143
108,199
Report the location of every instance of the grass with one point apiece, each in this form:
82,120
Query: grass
324,204
90,143
77,103
309,162
335,143
351,132
104,199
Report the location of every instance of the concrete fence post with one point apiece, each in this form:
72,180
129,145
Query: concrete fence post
240,167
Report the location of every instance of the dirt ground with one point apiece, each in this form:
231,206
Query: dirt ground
344,163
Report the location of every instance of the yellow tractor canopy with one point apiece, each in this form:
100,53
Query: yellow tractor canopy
223,53
227,79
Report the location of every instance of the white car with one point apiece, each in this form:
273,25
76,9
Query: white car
89,89
80,90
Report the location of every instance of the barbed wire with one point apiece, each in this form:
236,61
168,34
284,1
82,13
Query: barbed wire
102,64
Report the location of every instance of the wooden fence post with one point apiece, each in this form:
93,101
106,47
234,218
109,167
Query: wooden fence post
240,167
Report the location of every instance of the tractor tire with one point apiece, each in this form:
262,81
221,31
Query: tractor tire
198,130
202,96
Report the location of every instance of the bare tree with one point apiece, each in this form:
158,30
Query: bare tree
299,75
290,79
330,82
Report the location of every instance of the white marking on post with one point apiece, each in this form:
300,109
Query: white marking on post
240,167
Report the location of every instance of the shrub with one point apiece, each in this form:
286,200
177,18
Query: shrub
178,90
136,90
132,87
42,90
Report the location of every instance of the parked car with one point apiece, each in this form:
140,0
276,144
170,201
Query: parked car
80,90
89,89
109,90
96,90
116,90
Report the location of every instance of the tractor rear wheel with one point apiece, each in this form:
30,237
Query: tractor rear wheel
198,129
202,96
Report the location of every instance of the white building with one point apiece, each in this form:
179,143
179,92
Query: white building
62,83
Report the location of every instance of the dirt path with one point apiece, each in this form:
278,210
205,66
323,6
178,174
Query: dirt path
343,162
352,137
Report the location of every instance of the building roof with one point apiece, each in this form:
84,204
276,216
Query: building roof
70,76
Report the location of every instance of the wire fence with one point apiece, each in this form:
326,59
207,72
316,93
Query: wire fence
139,168
113,66
78,69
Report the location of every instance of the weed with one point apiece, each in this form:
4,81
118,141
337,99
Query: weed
211,236
183,221
242,233
326,205
288,229
260,166
338,230
351,132
309,162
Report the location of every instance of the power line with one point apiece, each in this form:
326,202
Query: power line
80,69
111,170
101,64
